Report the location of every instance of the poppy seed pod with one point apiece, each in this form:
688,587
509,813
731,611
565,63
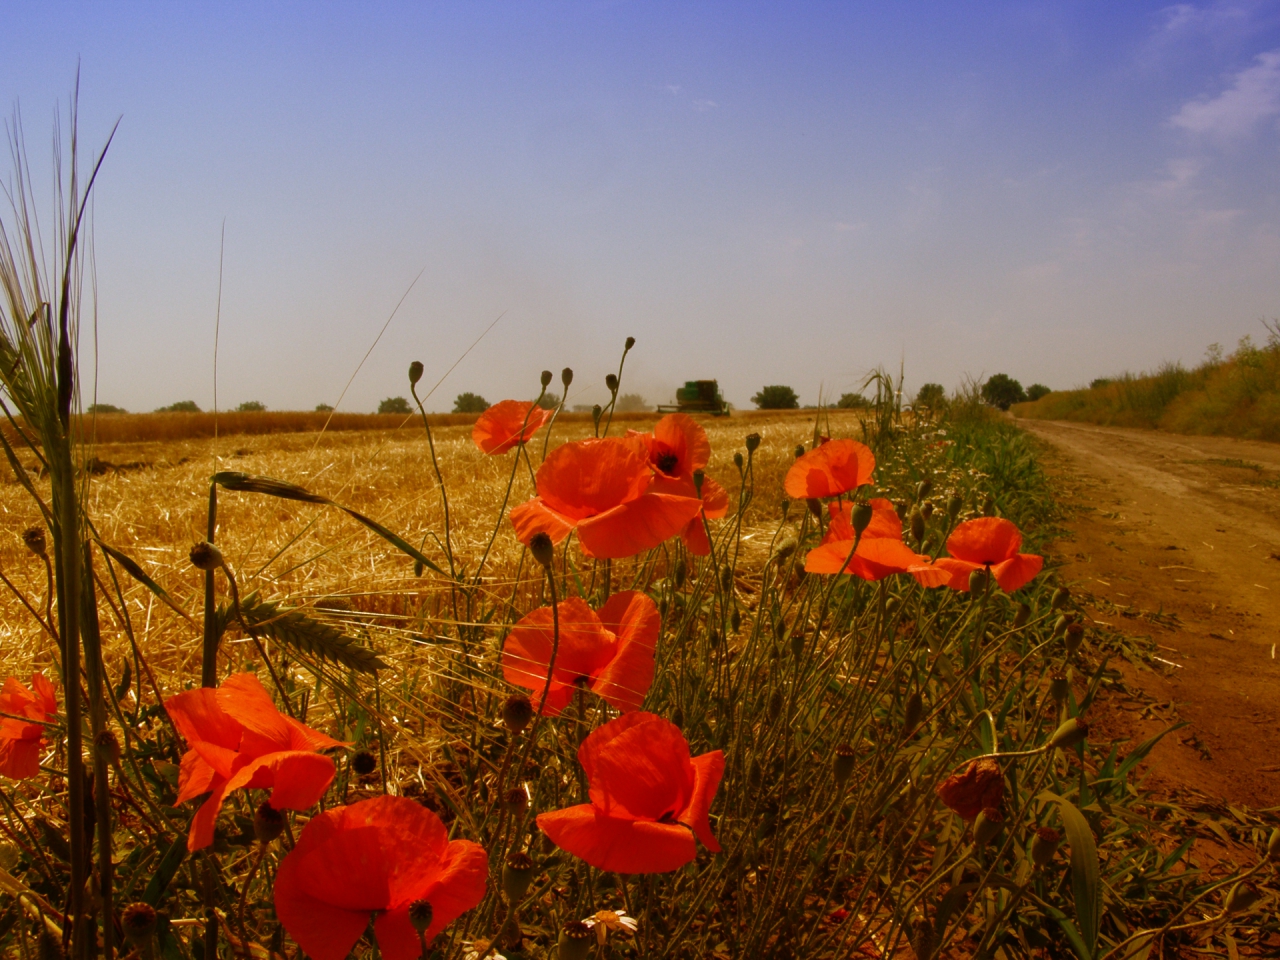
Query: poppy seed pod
735,620
861,517
611,382
1060,598
542,548
139,922
926,510
978,580
517,873
753,442
1273,846
785,507
364,763
516,802
844,760
1022,616
677,717
1044,844
1075,633
922,940
33,537
1058,688
415,372
989,506
924,488
917,525
738,460
775,704
575,941
629,342
902,509
912,713
680,573
1073,731
698,478
799,450
987,826
566,377
797,645
596,413
815,507
205,556
268,822
954,506
546,379
726,579
1242,897
420,915
517,712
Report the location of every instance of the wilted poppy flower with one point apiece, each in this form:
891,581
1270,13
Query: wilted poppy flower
678,448
508,423
21,742
237,738
987,543
979,786
830,470
880,552
373,859
600,487
609,652
649,798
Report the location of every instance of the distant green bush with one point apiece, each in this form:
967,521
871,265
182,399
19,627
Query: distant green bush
1002,391
251,406
852,401
105,408
776,397
1036,391
470,403
931,396
324,408
182,406
394,405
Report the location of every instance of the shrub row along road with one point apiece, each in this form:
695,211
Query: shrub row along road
1178,538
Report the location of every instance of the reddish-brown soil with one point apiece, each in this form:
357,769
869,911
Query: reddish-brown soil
1178,539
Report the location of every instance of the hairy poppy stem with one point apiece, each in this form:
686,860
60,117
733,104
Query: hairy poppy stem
506,496
244,896
444,496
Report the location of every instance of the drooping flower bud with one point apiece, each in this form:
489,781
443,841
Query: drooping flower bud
205,556
738,461
33,537
815,506
415,372
268,822
139,923
775,704
753,442
1072,731
844,761
1273,846
917,526
517,712
1058,688
543,550
924,488
1060,624
987,826
1242,896
575,941
862,514
629,342
364,763
922,939
566,377
421,915
517,873
1075,633
1044,844
735,620
954,506
1022,616
1060,598
611,382
912,713
902,509
926,510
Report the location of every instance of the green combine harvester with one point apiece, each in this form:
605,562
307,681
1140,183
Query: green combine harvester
698,396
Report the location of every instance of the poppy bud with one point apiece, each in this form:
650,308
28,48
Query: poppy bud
799,450
546,379
1060,598
517,712
1242,896
1044,844
1060,625
566,377
735,620
629,343
415,372
954,506
1058,688
924,488
205,556
901,508
922,941
989,506
713,639
268,822
1075,633
815,506
680,574
844,761
139,923
543,549
785,507
753,442
698,478
516,802
726,579
797,645
1072,731
677,717
575,942
1273,846
1022,616
421,915
987,826
517,873
108,747
364,763
33,537
611,381
917,525
861,517
775,704
893,606
978,580
912,713
596,412
926,510
737,459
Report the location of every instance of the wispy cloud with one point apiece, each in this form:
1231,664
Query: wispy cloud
1253,96
702,106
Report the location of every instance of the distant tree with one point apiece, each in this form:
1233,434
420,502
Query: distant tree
106,408
1002,391
776,397
470,403
394,405
632,403
324,408
1100,382
549,401
251,406
931,396
1037,390
852,401
182,406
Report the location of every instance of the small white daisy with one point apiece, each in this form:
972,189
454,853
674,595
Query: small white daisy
605,922
480,950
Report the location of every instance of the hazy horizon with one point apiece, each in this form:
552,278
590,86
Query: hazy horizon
760,194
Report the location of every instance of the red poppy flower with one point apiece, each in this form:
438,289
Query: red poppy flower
237,738
610,652
600,487
880,552
21,742
830,470
987,543
508,423
649,798
374,858
678,447
979,786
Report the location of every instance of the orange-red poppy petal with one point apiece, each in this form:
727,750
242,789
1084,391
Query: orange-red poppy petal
585,648
243,698
534,516
634,619
1017,571
707,772
456,885
197,716
617,844
953,573
984,540
323,928
683,436
832,469
637,525
508,423
715,499
642,770
19,757
195,776
695,538
929,574
588,477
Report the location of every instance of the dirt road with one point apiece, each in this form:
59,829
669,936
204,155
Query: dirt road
1178,538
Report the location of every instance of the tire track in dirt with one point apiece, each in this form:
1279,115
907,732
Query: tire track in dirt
1178,538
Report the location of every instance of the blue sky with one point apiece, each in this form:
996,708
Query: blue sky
762,193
